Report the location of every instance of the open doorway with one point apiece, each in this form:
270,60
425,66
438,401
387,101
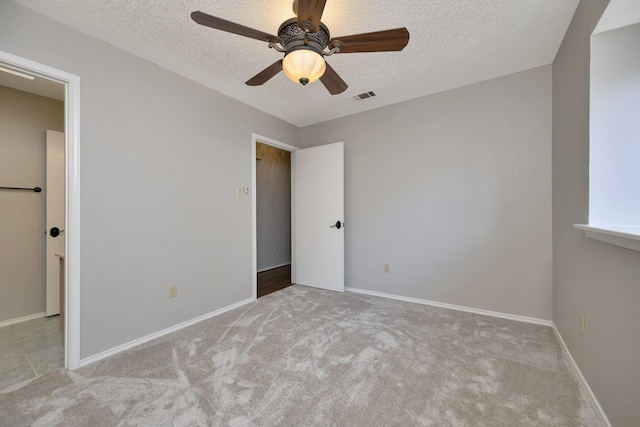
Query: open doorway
272,215
273,218
30,333
317,214
38,81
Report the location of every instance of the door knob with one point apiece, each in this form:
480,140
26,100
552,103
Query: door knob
55,232
337,225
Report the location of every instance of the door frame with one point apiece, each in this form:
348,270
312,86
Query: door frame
255,138
72,194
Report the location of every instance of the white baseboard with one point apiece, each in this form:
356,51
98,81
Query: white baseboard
137,342
22,319
273,267
517,318
573,363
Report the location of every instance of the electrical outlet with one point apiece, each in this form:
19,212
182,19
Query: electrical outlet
387,267
173,291
582,323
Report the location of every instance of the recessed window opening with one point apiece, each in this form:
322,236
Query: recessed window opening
614,168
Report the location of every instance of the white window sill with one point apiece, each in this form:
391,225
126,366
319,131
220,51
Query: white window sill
627,236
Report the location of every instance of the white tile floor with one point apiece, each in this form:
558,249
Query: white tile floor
29,349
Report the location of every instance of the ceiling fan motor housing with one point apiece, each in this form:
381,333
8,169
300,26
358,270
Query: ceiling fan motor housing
293,37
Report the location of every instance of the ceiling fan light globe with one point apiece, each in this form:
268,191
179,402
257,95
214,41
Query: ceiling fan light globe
304,64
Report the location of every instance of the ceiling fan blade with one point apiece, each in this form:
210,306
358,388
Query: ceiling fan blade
263,76
332,81
231,27
379,41
310,10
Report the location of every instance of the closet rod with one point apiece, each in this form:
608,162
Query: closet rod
34,189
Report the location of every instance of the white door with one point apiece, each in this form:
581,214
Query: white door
317,214
55,217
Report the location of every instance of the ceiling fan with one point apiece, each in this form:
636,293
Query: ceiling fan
305,41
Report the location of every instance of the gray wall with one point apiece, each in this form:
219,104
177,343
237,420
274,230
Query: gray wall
598,279
161,159
24,120
273,206
454,191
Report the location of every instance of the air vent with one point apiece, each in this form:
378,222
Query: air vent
363,96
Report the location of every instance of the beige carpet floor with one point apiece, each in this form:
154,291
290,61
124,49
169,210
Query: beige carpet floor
306,357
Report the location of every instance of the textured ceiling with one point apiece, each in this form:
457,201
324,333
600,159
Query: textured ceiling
453,43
